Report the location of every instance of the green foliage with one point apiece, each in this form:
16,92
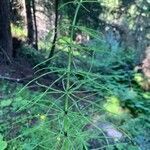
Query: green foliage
5,103
113,105
18,32
89,12
111,4
91,79
31,54
3,144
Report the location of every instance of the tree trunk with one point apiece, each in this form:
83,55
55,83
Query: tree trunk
5,30
35,25
30,28
56,30
18,12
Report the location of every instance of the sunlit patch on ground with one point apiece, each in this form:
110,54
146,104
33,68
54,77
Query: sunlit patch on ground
146,95
113,106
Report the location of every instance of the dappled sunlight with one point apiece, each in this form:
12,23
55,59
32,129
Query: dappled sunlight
65,44
74,75
18,32
138,77
111,4
146,95
113,106
142,81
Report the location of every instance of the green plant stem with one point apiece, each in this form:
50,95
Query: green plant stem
70,57
69,70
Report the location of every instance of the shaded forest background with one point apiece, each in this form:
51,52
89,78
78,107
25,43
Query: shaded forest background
74,74
120,23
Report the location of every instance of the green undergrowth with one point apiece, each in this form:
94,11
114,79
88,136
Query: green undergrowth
90,99
18,32
36,119
104,89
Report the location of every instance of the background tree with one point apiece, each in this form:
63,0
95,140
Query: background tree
31,23
35,25
30,29
5,31
56,30
18,12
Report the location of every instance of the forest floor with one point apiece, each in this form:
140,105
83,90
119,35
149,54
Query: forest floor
127,123
18,70
21,70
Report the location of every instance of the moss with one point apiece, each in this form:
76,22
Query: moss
113,105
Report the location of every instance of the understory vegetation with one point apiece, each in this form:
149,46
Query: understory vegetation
105,91
87,96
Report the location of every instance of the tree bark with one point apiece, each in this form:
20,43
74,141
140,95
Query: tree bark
35,25
30,28
56,30
5,30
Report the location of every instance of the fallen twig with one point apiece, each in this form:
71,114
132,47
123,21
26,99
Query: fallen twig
15,79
